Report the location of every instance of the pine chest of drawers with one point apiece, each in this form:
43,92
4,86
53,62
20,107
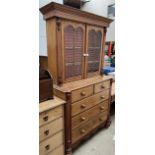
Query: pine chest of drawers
51,127
87,108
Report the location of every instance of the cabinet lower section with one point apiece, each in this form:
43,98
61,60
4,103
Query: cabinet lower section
86,109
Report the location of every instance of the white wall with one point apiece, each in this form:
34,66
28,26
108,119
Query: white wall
94,6
99,7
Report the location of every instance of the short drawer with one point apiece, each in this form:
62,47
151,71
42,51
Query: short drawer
102,86
89,102
80,132
50,115
89,114
50,129
58,151
82,93
51,143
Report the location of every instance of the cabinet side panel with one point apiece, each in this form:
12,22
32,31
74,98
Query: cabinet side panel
59,94
51,47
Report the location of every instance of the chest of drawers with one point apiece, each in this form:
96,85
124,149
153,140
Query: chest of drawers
87,108
51,127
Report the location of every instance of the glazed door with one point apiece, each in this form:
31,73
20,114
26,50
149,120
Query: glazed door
73,49
94,41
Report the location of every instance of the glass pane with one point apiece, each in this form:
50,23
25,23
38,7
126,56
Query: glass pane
69,50
78,37
78,45
78,51
69,57
94,49
69,37
69,70
73,51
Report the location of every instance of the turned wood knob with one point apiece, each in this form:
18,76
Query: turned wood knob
83,131
46,132
45,118
102,86
83,93
101,119
102,97
47,147
102,108
83,118
83,106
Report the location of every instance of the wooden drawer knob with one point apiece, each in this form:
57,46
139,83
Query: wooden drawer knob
47,147
102,108
45,118
101,119
102,97
46,132
102,86
83,118
83,106
83,93
83,131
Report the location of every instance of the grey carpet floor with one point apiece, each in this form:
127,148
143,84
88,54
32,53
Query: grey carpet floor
102,143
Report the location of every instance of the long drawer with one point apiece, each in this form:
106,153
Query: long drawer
50,129
80,132
50,115
58,151
89,102
51,143
102,86
85,116
82,93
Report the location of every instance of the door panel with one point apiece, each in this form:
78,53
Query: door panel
94,50
73,49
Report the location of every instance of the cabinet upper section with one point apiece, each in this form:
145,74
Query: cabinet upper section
58,10
75,42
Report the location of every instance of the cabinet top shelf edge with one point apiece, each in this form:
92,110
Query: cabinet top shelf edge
58,10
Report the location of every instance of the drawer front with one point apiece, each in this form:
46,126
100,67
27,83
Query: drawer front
58,151
80,132
85,116
82,93
102,86
50,115
50,129
51,143
100,119
89,102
